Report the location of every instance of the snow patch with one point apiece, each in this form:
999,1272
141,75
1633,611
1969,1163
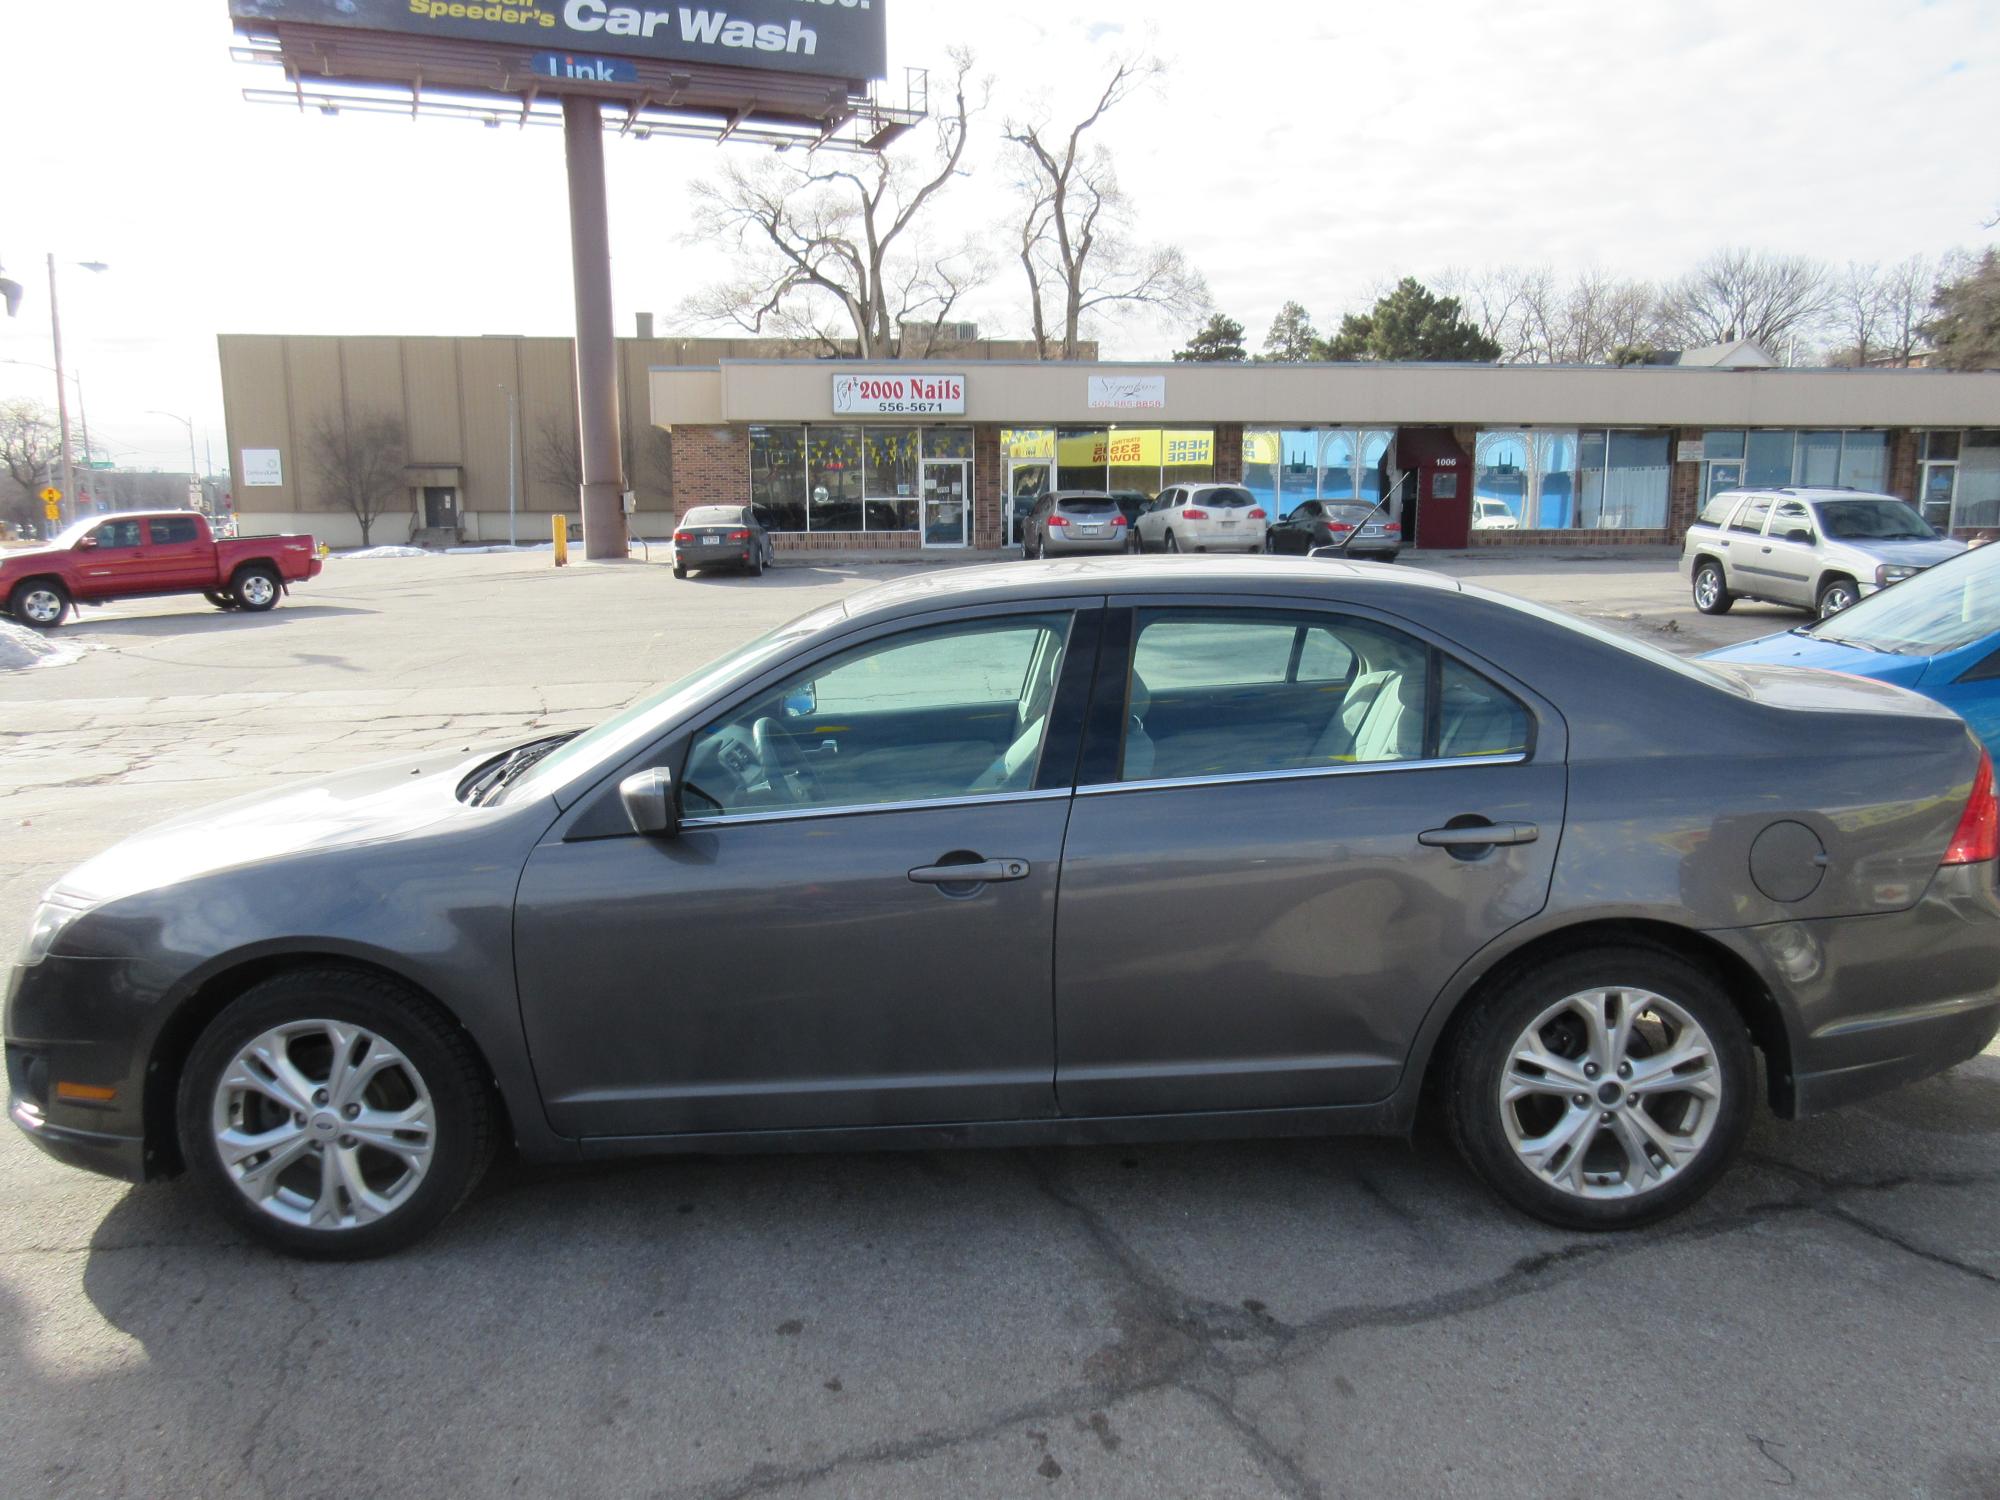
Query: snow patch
361,552
22,648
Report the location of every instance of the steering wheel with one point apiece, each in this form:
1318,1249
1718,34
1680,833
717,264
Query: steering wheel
783,765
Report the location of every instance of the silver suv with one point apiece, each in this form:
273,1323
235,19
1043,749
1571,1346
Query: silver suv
1818,549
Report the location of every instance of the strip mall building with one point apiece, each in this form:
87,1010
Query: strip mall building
925,455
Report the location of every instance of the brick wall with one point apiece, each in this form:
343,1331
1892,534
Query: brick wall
1684,495
846,541
1903,464
711,467
1229,453
1579,537
989,475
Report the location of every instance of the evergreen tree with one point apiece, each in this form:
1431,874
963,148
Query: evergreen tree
1292,339
1966,329
1412,323
1219,341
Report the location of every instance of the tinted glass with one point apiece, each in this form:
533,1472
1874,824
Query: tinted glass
952,711
1238,693
778,475
1228,499
1941,445
1877,520
118,534
1717,510
1752,517
1790,516
173,531
1477,718
713,515
1087,505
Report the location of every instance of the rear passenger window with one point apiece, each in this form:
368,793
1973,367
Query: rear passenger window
1752,519
1232,693
172,530
1717,510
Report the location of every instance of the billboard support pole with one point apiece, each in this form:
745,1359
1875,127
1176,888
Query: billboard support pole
596,348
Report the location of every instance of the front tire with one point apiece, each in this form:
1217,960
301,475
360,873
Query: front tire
256,589
40,602
335,1115
1602,1090
220,599
1711,595
1837,594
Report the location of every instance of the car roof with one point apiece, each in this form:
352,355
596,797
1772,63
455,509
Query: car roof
1015,582
138,515
1808,492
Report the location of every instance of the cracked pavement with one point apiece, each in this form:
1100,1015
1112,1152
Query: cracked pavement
1291,1318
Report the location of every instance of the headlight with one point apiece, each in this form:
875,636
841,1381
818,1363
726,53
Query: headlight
1889,573
57,911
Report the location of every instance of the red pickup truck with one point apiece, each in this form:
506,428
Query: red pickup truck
139,553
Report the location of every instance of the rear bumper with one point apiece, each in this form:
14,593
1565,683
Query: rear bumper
714,557
1893,1048
1061,545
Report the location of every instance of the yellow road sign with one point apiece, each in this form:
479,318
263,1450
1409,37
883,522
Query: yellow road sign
52,496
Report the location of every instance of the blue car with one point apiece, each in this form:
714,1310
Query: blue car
1938,634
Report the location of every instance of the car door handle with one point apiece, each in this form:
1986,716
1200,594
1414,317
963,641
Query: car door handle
986,872
1479,835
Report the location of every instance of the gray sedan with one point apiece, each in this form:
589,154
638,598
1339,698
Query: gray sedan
722,536
1104,850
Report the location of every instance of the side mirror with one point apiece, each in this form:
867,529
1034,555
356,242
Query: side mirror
1799,534
649,802
88,541
802,702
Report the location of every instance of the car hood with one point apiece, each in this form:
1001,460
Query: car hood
1788,649
373,804
28,554
1907,554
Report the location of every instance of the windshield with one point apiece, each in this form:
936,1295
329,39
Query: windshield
625,729
1941,609
1874,521
75,533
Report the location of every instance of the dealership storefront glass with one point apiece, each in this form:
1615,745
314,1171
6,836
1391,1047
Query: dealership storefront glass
1777,457
1958,483
1284,466
839,478
1142,460
1563,479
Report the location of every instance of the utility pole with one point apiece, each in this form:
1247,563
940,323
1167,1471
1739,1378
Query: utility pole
62,395
596,350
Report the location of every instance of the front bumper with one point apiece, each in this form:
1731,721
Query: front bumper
109,1155
73,1020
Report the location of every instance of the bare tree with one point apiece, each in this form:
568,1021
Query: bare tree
556,456
359,464
834,253
1778,302
1907,289
1074,237
30,455
1537,318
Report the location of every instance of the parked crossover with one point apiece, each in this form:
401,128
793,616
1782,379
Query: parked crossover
1821,550
1201,518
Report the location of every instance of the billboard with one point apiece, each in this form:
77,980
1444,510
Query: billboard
825,38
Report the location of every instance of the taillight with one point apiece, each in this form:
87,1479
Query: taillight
1257,514
739,536
1395,526
1978,836
1119,519
1194,515
1058,520
1338,528
683,539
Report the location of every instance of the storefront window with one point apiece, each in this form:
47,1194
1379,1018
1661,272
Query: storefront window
1081,453
1864,460
947,442
1979,480
892,478
1557,480
1779,457
1336,466
836,500
1283,467
1770,463
1368,478
1818,462
778,476
1187,456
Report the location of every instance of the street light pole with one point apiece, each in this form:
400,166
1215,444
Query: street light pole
62,396
194,464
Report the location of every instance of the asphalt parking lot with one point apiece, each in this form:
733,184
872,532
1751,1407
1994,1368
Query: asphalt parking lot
1344,1318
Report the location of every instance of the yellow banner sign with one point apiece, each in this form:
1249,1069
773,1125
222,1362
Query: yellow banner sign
1136,448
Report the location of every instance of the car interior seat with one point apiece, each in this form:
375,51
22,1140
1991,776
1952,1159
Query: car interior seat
1382,715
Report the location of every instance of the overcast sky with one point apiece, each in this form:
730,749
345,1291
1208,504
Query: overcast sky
1295,148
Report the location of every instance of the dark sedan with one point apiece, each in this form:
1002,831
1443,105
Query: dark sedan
722,536
1355,527
1091,850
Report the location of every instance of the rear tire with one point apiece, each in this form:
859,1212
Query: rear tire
40,602
679,571
1539,1097
369,1200
1173,542
1711,596
256,588
1134,543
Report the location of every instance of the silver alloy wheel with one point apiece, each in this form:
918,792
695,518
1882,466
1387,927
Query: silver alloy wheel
1707,587
324,1124
1609,1093
257,590
42,606
1837,596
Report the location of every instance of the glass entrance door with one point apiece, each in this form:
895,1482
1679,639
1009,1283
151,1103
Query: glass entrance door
1027,481
1725,476
947,502
1940,483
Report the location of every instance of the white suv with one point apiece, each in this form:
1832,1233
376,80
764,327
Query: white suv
1201,518
1819,549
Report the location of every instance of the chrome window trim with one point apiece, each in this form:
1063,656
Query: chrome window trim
1366,768
788,814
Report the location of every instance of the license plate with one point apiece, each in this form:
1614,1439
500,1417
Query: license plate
1229,523
1371,531
1090,531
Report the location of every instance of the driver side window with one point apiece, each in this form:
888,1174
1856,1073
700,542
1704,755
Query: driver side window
950,711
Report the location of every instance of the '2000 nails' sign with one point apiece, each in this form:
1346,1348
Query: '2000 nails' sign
899,395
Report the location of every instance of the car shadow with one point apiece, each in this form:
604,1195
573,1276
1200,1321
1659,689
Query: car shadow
211,620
